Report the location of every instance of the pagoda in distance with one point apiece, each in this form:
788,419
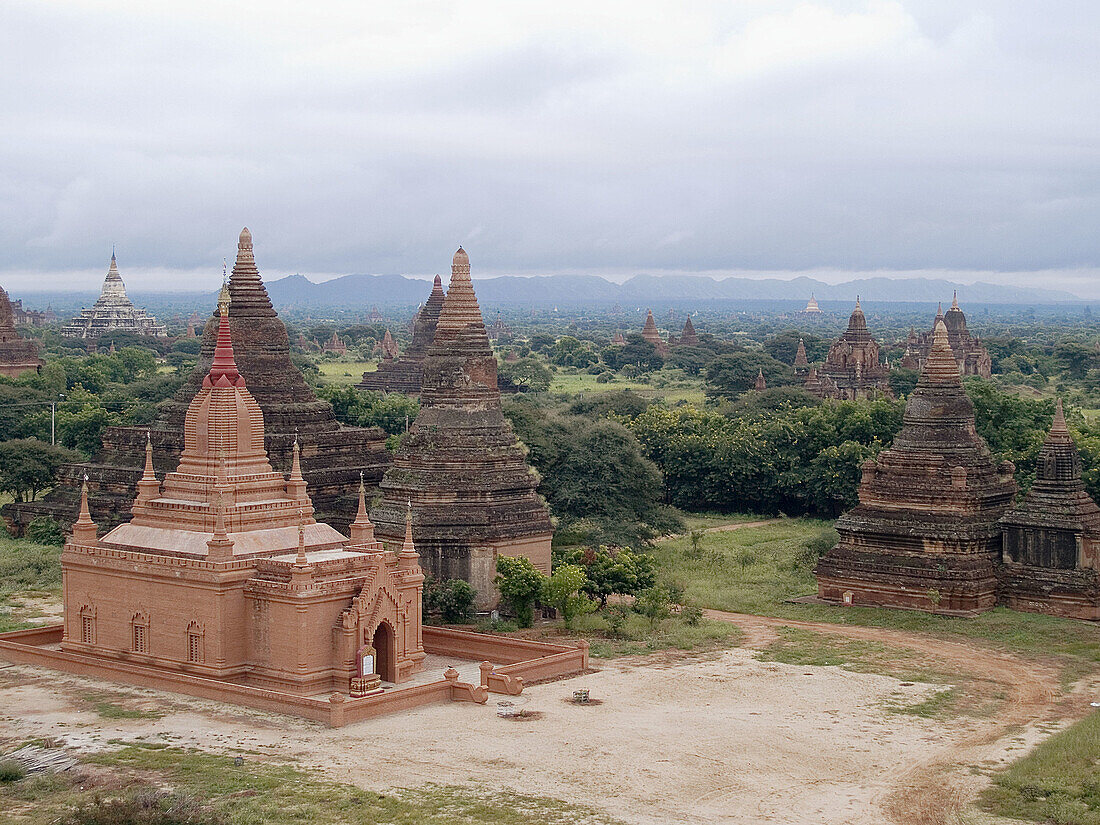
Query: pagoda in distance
113,311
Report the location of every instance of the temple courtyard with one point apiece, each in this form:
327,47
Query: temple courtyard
671,737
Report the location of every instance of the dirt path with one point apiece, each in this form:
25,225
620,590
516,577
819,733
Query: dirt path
935,791
722,528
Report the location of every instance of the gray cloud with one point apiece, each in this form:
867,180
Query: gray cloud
587,136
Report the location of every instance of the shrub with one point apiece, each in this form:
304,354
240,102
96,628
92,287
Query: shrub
45,530
654,604
11,771
520,584
562,592
148,807
691,614
605,377
452,599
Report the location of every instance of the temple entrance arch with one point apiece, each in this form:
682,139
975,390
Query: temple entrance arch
384,651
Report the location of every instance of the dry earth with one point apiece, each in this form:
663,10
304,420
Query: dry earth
720,738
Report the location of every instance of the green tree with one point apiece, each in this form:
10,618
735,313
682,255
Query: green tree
520,584
29,466
612,571
730,375
562,591
528,373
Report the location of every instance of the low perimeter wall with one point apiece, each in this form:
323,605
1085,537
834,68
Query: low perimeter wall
28,647
508,663
521,661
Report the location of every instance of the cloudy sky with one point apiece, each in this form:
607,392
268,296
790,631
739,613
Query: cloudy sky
593,136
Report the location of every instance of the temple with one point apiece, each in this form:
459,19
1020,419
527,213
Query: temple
335,345
801,363
224,573
925,533
852,369
17,354
403,373
760,384
688,338
473,495
332,456
113,311
651,334
811,306
972,356
1051,549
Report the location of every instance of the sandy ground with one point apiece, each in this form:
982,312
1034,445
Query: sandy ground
720,738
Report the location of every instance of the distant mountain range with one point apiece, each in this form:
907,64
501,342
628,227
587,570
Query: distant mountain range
363,291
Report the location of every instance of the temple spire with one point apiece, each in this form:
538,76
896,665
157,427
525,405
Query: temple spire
84,529
296,485
941,366
955,299
1058,430
223,370
301,560
362,531
408,558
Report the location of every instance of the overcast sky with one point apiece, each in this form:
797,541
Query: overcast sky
593,136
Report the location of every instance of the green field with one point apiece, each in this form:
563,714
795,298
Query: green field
344,372
28,572
1057,782
759,569
688,391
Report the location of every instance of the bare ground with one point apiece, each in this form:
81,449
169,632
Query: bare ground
720,738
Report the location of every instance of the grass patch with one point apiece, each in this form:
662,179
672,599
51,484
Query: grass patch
797,646
264,793
705,521
757,569
674,391
108,709
637,635
1058,782
26,569
344,372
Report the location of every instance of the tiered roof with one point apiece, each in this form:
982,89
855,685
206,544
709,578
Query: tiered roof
113,311
461,466
925,533
224,499
852,369
688,338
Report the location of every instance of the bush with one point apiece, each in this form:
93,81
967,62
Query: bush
45,530
654,604
562,591
452,599
11,771
520,584
605,377
147,807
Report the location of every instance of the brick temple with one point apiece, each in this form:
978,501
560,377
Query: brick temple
113,311
925,533
332,456
852,369
688,336
972,356
1051,549
651,334
403,373
224,573
461,466
18,355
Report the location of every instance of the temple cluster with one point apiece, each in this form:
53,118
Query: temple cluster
936,530
17,354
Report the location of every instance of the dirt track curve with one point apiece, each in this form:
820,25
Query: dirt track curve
935,791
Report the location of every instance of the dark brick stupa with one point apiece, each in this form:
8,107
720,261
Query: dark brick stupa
852,369
688,336
332,456
17,354
925,533
403,374
461,465
1052,538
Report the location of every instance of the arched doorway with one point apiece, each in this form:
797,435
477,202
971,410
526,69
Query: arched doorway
384,652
